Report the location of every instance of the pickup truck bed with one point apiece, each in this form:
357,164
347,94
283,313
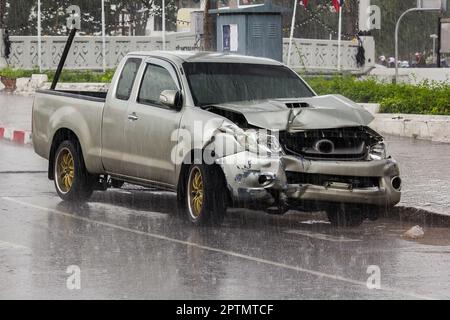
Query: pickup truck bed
85,95
82,112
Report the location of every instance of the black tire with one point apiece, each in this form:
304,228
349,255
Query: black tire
117,183
214,200
343,216
82,182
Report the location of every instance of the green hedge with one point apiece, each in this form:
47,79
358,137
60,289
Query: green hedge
66,76
16,73
426,98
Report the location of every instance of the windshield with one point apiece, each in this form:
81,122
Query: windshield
215,83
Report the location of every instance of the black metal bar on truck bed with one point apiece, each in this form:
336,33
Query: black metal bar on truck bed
63,58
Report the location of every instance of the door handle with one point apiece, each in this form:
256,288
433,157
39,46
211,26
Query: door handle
133,117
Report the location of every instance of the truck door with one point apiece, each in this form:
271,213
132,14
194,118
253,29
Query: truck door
115,117
151,125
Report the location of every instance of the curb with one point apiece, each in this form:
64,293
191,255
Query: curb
16,136
420,216
423,127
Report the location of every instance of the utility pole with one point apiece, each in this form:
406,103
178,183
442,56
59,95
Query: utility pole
39,35
438,59
291,35
103,37
208,27
163,25
339,67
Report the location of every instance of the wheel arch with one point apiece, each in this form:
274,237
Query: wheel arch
183,171
60,135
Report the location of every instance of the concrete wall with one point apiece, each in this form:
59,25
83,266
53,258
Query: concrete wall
423,127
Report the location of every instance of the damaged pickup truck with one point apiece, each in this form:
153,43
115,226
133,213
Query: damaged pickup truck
222,131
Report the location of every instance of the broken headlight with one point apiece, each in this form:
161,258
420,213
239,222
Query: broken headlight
377,151
260,142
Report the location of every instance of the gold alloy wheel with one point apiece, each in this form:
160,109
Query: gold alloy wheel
195,193
65,168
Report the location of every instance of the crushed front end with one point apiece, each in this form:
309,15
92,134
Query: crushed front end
315,168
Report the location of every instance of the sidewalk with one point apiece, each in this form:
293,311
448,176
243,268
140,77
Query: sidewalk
15,118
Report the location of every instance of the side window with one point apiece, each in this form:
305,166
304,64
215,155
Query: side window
156,79
127,78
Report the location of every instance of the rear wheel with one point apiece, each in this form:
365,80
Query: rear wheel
345,216
72,181
203,196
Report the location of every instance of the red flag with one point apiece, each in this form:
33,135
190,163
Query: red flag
305,3
337,5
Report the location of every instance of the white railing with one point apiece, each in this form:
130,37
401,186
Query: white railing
308,55
86,51
312,55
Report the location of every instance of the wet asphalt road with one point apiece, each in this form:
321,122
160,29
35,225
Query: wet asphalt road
128,243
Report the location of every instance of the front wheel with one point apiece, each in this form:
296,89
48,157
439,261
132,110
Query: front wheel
203,197
72,181
345,216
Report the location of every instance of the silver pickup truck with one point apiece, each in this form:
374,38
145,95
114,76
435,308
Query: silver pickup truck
221,131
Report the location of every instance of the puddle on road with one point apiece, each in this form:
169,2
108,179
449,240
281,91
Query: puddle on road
321,236
311,222
4,245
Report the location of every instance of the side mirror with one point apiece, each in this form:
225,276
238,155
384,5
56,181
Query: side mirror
171,98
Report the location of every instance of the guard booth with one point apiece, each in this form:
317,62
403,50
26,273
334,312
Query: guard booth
254,30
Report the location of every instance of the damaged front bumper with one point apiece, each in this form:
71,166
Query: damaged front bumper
288,181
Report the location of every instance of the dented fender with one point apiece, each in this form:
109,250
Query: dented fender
243,172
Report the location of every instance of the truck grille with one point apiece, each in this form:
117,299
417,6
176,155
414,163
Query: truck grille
330,144
325,180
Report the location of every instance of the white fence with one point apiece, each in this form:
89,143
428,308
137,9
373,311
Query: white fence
312,55
308,55
86,51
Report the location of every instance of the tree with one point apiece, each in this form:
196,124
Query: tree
21,16
17,17
2,13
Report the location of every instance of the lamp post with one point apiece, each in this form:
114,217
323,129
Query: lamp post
164,24
39,49
339,39
397,27
291,36
103,37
